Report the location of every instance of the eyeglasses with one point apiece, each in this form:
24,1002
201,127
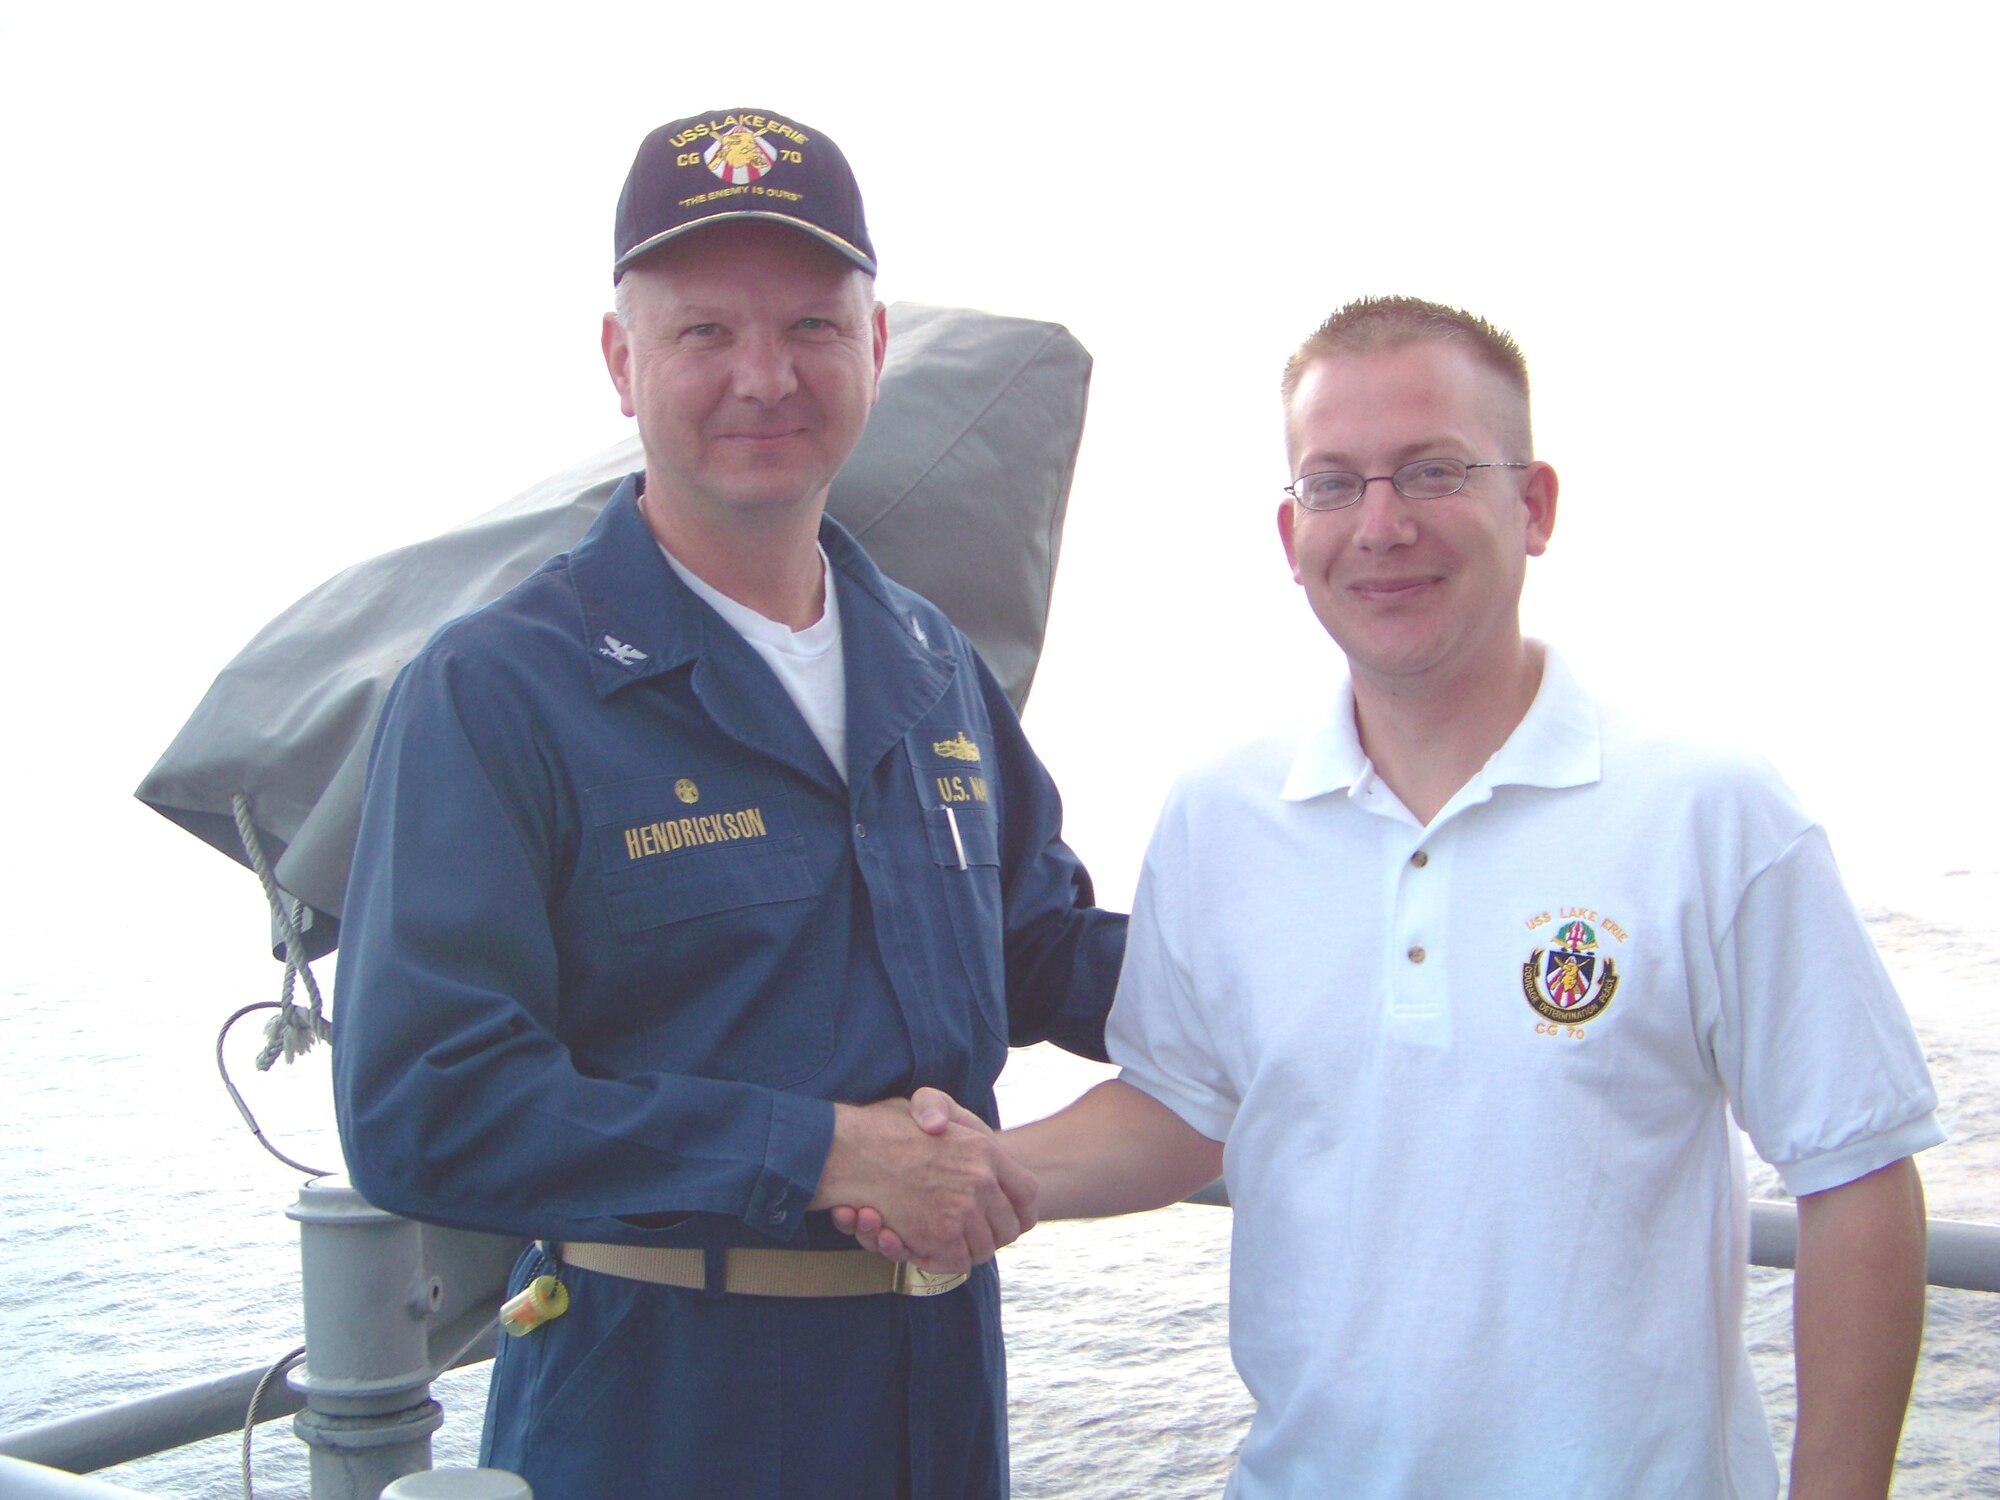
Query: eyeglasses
1426,479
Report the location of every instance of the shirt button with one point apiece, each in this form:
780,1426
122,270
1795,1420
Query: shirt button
861,830
1416,955
777,1216
1420,859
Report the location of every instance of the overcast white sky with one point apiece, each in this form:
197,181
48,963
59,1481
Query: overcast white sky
287,286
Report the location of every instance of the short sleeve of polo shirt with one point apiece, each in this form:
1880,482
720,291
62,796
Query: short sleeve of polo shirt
1157,1033
1823,1069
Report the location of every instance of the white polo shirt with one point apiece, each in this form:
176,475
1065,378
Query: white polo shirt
1475,1082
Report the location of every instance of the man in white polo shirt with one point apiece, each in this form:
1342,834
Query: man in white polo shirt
1459,995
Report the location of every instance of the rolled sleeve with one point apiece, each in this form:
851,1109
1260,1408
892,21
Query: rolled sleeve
1823,1069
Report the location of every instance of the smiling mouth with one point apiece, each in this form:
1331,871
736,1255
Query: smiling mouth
763,437
1389,588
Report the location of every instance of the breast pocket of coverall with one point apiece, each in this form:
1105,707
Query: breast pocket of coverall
711,900
962,835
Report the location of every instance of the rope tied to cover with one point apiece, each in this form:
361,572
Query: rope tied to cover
294,1029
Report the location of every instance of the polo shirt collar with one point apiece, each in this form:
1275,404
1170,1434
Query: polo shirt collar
1331,758
1556,744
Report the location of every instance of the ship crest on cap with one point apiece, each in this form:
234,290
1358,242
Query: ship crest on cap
739,155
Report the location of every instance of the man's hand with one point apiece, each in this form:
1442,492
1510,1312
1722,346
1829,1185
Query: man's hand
932,1169
1117,1150
934,1111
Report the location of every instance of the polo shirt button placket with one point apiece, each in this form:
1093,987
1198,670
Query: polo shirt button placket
1417,1002
1417,861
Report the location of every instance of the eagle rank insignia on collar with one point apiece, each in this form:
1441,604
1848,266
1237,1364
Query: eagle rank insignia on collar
618,651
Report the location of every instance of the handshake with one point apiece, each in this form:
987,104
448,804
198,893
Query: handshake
924,1180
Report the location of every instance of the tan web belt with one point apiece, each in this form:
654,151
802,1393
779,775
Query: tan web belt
765,1273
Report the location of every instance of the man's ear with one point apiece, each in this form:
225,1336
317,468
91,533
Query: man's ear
881,348
618,360
1287,518
1540,499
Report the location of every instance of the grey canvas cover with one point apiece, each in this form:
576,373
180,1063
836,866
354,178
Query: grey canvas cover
957,489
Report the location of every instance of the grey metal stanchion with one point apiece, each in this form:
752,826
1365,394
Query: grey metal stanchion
368,1299
460,1484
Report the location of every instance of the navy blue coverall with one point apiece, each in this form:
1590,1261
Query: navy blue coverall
617,936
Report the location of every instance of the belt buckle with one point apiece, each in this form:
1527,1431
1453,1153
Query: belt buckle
913,1281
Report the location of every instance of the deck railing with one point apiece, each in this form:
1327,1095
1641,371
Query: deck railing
390,1305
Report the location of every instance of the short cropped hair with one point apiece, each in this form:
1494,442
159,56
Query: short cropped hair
621,296
1369,324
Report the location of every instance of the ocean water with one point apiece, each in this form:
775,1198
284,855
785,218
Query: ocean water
145,1241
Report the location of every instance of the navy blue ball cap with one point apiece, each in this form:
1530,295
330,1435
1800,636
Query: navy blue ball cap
739,164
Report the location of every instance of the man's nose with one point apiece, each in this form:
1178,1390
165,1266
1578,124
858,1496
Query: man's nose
1384,517
763,370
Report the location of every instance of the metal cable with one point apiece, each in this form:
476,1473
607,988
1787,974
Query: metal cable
222,1067
257,1396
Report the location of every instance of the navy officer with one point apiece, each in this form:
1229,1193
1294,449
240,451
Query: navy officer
661,907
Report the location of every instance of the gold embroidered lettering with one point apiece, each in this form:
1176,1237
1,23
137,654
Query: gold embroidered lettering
645,839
